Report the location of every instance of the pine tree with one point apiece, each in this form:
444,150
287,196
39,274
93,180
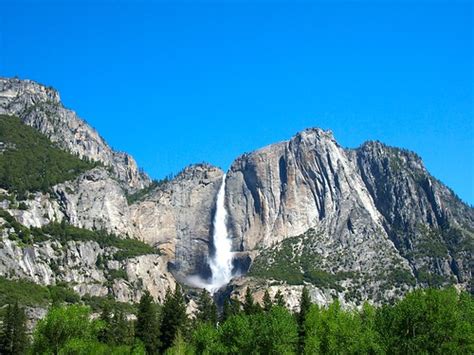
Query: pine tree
148,326
120,327
207,310
174,317
305,305
179,347
249,304
226,310
117,328
232,307
214,314
105,316
13,339
267,302
279,300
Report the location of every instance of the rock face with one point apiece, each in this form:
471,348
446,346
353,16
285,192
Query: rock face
40,107
286,188
428,223
177,217
79,265
353,224
332,216
95,201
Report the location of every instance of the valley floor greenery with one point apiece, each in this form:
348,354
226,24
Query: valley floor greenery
430,321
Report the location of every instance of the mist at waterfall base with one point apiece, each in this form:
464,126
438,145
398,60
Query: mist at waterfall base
221,262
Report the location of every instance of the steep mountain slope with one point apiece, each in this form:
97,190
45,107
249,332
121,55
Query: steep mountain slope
370,219
177,217
40,107
286,188
354,224
427,222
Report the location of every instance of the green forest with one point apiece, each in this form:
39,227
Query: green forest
429,321
29,161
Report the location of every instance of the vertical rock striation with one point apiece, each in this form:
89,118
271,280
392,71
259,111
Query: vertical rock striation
286,188
330,213
177,217
356,224
428,223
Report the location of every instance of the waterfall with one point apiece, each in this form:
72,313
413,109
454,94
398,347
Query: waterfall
221,261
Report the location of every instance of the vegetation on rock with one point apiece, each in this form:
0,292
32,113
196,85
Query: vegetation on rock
64,232
142,193
29,161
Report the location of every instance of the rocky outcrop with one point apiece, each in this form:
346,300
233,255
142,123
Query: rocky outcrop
177,217
290,293
95,201
86,267
41,209
40,107
373,214
428,223
353,224
286,188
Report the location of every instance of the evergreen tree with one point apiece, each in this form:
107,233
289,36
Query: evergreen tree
214,314
106,317
305,305
257,308
174,316
235,306
267,302
231,308
207,310
279,300
148,327
249,305
121,333
225,311
13,339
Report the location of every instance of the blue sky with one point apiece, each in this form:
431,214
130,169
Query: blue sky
175,83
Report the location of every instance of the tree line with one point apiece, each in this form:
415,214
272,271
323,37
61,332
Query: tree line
433,321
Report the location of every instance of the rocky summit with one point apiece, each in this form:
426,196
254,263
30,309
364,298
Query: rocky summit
354,224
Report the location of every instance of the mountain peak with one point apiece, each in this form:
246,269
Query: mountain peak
40,107
25,93
312,133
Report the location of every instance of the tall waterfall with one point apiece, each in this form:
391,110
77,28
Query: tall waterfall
221,262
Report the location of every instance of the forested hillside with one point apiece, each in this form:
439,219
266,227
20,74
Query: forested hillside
29,161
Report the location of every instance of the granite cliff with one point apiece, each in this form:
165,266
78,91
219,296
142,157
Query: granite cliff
40,107
366,223
355,224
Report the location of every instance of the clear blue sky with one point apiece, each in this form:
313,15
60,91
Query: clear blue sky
175,83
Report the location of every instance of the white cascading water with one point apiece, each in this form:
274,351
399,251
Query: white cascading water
221,262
